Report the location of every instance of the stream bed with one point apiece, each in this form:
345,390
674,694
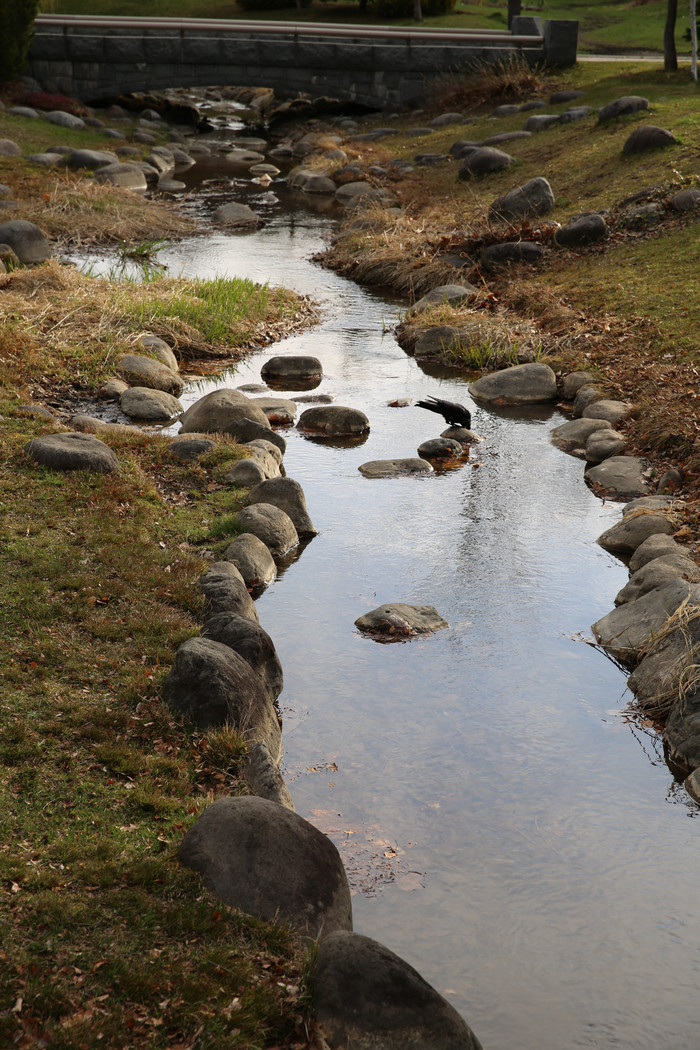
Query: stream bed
508,827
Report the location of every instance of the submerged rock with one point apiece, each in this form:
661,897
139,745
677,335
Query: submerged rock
398,621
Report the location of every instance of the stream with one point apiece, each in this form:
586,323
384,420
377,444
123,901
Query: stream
508,827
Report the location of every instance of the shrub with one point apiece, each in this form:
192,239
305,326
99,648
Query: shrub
16,32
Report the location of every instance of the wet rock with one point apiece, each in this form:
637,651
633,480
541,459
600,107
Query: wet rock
657,572
499,256
264,778
271,525
440,449
367,998
218,410
267,861
528,384
334,421
280,411
73,451
629,628
681,734
658,545
252,559
394,468
692,785
112,389
531,200
189,450
453,294
619,477
573,435
288,495
252,643
603,444
483,161
212,686
582,230
627,534
225,591
295,371
398,620
647,137
27,241
128,176
237,216
622,107
138,370
667,663
436,341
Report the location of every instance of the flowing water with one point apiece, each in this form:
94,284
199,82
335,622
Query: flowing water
508,828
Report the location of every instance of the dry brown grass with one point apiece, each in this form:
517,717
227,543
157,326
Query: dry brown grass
511,80
683,674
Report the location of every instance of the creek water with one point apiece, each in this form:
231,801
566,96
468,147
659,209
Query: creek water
508,827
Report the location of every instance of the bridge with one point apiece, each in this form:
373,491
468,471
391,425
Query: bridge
98,57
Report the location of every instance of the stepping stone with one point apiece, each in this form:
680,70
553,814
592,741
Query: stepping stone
398,620
394,468
334,421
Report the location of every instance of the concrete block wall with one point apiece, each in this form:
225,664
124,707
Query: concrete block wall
94,64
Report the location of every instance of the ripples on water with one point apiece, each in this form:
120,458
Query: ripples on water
507,825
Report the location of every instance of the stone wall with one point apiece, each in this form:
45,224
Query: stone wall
96,63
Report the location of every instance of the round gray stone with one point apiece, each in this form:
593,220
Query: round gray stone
138,370
288,495
252,643
152,406
224,591
626,535
217,411
483,161
531,200
294,371
452,294
238,216
271,525
619,477
73,451
394,468
647,137
252,559
529,384
28,242
334,421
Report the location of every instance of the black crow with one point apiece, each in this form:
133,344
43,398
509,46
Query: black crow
454,414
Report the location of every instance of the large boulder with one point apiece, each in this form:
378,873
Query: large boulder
452,294
128,176
248,431
497,256
681,733
252,643
622,107
73,451
573,435
334,421
398,620
657,572
90,159
531,200
138,370
217,411
252,559
288,495
619,477
224,590
602,444
212,686
483,161
647,137
280,411
151,406
237,216
261,858
28,242
264,778
292,372
630,627
367,998
624,537
581,230
658,545
605,408
395,468
528,384
271,525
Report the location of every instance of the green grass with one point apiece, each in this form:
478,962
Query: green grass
106,939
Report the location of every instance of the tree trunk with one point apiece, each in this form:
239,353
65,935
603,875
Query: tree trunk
417,11
670,57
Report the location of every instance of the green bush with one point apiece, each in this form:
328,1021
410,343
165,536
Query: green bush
404,8
16,32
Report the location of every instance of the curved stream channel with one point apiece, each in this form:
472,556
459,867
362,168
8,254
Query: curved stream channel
507,827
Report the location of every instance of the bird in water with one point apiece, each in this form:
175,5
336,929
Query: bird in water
454,414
